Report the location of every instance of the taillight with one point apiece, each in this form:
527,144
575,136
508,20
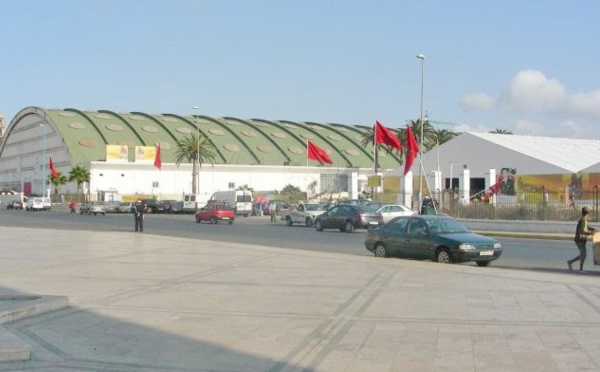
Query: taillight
379,217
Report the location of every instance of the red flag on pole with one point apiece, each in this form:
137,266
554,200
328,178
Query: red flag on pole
412,149
314,152
52,169
157,162
493,189
384,135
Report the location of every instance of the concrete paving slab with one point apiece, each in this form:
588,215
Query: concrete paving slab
142,302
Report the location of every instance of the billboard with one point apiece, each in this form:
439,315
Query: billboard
119,153
145,154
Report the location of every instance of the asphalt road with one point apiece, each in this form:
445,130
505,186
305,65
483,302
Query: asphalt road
519,253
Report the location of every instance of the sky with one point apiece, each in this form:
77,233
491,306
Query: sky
530,67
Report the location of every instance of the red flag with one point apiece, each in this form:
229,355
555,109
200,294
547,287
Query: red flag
157,162
412,149
316,153
384,135
54,172
493,189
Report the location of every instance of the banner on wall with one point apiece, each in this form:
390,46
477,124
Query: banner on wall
119,153
145,154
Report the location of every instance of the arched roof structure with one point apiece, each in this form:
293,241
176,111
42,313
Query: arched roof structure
84,135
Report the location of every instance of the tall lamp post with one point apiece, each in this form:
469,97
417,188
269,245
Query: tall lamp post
422,58
44,160
197,175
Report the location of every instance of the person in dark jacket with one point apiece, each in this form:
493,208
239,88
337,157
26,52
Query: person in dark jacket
581,233
138,214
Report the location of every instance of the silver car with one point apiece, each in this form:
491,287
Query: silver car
95,207
387,212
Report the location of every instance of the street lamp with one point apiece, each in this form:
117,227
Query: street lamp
422,58
197,175
43,159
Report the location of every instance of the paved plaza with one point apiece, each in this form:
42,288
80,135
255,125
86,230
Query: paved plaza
142,302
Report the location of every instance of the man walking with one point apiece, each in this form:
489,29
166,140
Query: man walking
138,213
581,233
273,211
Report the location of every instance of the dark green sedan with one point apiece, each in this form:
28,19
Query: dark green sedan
436,238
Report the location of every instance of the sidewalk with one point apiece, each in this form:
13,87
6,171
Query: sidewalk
140,302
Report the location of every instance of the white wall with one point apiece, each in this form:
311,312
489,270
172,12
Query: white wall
131,178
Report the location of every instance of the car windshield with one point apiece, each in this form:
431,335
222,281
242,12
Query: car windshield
97,203
313,207
446,226
223,207
367,208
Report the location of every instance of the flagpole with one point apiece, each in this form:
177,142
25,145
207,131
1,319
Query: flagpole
307,153
375,147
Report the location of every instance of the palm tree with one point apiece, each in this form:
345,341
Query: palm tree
80,175
59,180
195,149
290,189
501,131
443,135
429,138
245,187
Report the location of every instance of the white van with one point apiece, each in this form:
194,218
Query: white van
239,200
38,204
191,202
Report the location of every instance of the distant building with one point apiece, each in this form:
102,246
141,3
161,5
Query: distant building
119,148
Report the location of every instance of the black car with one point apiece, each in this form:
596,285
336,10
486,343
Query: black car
436,238
150,205
14,204
344,217
167,206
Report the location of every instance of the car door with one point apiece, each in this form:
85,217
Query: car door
394,236
416,238
203,213
329,217
390,212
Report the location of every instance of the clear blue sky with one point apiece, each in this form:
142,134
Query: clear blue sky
526,66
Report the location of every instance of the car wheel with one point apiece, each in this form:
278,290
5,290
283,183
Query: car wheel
380,250
231,222
213,220
95,213
309,222
318,226
198,220
288,221
348,227
443,256
483,263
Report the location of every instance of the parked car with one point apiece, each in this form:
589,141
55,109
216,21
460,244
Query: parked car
437,238
387,212
176,207
38,204
150,205
14,204
124,207
304,213
215,212
344,217
95,207
111,207
167,206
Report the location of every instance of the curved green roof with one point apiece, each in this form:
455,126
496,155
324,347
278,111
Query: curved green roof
238,141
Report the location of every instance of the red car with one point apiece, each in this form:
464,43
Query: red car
215,212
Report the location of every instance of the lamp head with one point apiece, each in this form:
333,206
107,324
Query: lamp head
421,56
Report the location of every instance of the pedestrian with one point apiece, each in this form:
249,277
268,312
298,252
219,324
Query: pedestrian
138,213
72,206
273,212
581,233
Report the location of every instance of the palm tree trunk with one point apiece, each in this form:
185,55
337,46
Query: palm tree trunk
194,177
